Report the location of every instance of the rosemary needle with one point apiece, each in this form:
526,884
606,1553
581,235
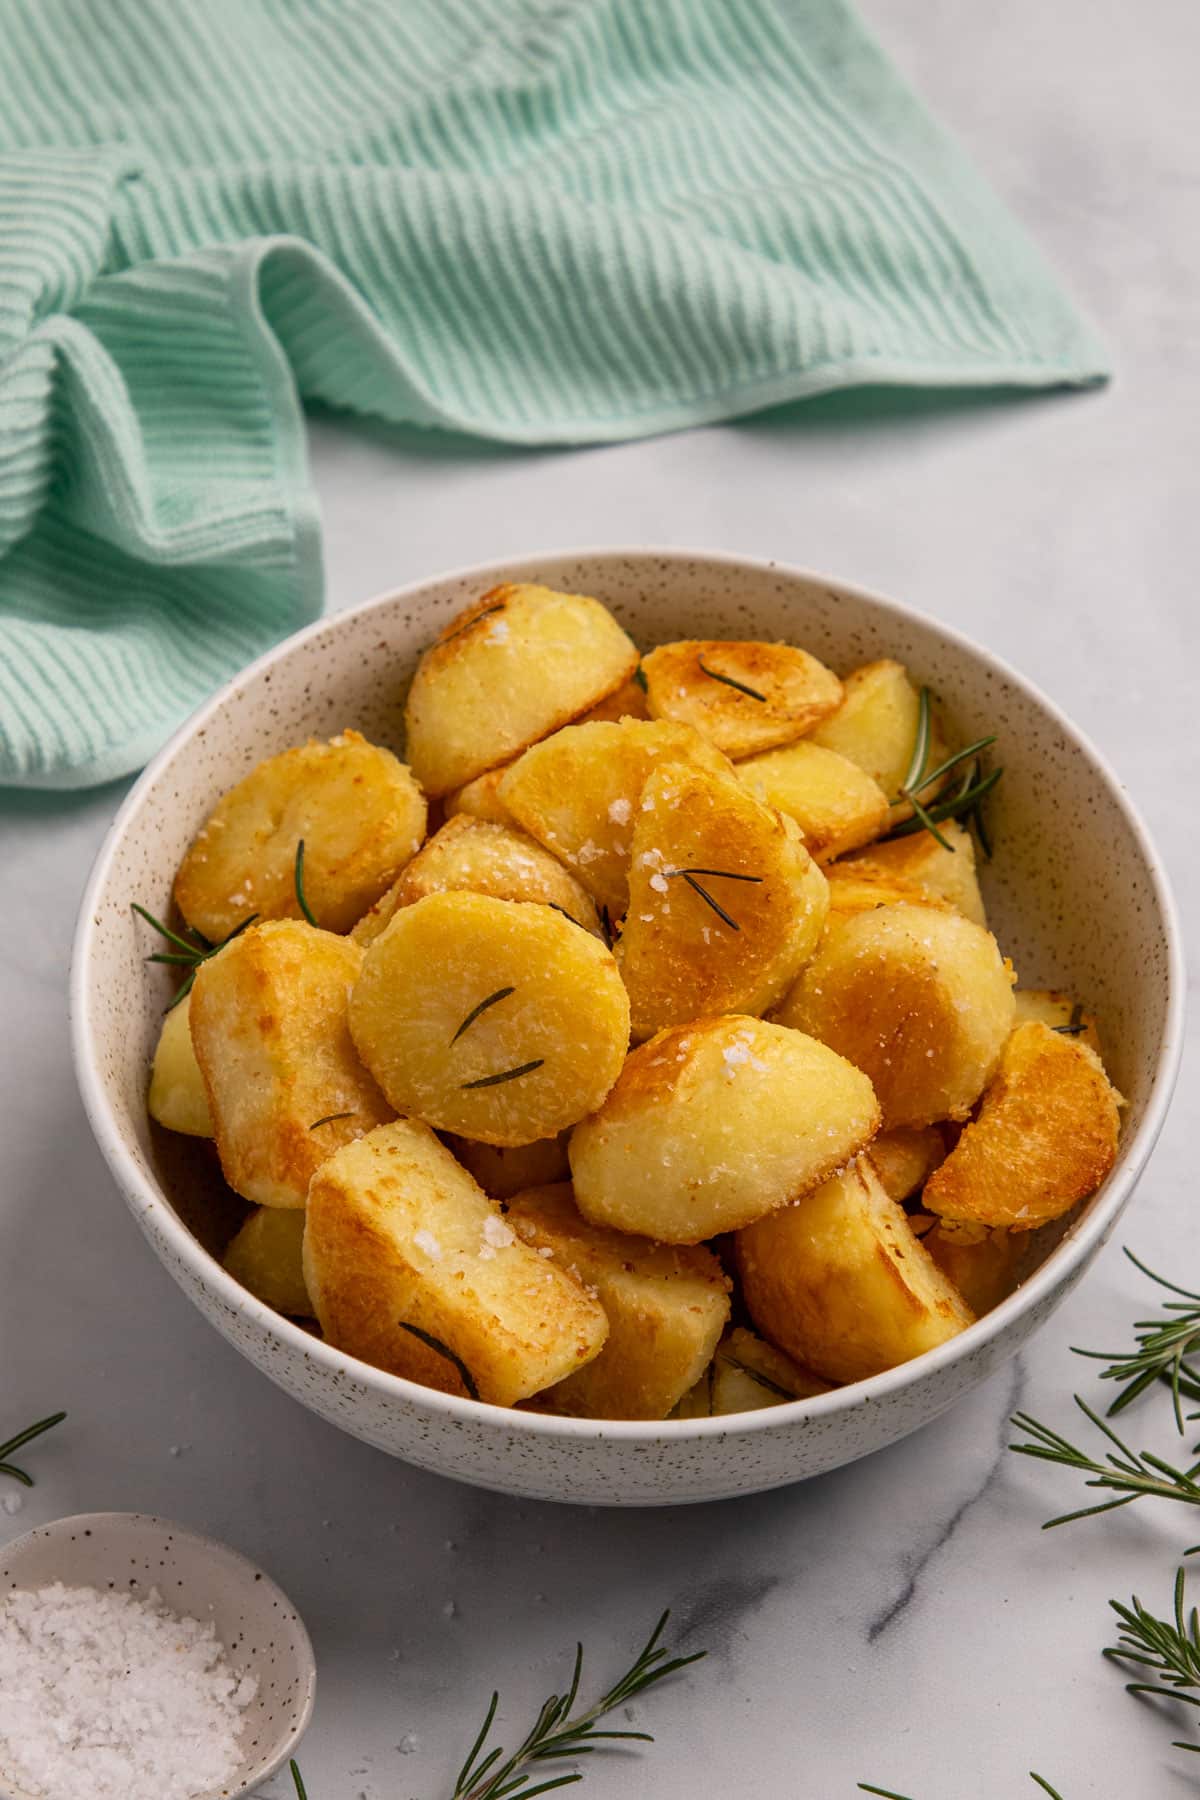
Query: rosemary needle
689,875
329,1119
301,1791
298,877
492,999
484,1081
435,1343
715,675
26,1437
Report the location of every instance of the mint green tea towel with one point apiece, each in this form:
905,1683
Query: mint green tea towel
540,221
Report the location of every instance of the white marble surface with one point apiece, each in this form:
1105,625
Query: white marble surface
902,1621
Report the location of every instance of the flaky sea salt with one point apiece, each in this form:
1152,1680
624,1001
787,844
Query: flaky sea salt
108,1696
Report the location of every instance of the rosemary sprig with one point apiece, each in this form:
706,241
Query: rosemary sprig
329,1119
964,803
1131,1475
298,878
301,1790
492,1000
484,1081
728,680
1168,1648
556,1736
187,955
1163,1346
26,1437
435,1343
689,875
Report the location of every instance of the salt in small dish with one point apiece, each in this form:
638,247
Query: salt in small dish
260,1630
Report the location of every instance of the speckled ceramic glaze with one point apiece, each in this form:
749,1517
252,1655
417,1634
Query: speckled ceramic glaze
256,1622
1076,895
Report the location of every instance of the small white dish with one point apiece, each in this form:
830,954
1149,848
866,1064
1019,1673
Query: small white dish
1077,895
261,1630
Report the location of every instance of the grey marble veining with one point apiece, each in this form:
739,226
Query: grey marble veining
904,1620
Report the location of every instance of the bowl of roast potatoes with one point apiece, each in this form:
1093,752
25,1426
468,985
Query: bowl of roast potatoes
585,1027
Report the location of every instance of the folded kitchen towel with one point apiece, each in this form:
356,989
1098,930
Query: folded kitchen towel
540,221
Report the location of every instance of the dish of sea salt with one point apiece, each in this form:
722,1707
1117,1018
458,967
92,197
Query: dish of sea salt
140,1660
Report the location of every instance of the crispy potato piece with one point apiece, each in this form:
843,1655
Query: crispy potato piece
578,793
268,1021
544,1049
358,811
841,1283
666,1309
902,1159
1060,1012
851,893
835,803
1045,1137
876,724
474,856
696,683
745,1375
921,1000
177,1096
480,799
401,1246
713,1124
511,669
629,702
502,1172
985,1266
919,862
679,955
265,1256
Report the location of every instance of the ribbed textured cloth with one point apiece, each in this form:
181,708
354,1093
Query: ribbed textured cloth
533,220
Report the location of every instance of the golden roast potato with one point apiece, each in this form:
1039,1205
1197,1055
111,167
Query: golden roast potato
920,863
502,1171
920,1000
1045,1137
474,856
511,669
666,1306
840,1282
266,1257
353,805
725,903
745,1375
578,794
178,1098
836,804
715,1123
500,1020
742,697
1047,1006
903,1158
412,1268
284,1082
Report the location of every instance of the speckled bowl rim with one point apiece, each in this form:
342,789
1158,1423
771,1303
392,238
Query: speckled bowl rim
97,1522
1075,1249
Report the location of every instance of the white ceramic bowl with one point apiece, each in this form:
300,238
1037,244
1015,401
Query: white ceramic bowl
1076,894
261,1631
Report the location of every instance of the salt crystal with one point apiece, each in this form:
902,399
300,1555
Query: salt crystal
660,884
12,1503
496,1233
409,1743
425,1240
619,811
109,1696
